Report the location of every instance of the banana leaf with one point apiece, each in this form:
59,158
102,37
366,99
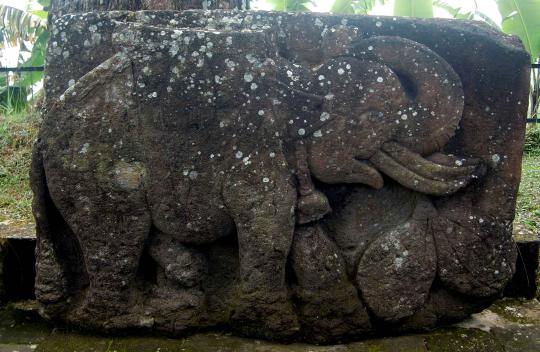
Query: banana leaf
17,25
414,8
344,7
458,13
522,18
290,5
37,58
363,7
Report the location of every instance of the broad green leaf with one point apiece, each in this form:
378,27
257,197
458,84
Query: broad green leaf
363,7
40,13
343,7
289,5
278,5
458,13
17,26
483,17
45,3
414,8
37,58
522,18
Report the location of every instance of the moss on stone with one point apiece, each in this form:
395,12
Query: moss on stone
514,310
462,340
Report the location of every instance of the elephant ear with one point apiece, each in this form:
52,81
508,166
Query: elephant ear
434,88
338,90
304,112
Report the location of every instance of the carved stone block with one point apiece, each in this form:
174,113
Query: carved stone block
287,176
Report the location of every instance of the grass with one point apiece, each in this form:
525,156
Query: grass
528,203
532,140
17,134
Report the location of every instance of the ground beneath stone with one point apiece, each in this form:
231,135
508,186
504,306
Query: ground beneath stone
507,326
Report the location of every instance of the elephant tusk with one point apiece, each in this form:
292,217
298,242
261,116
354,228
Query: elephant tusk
364,172
425,167
419,174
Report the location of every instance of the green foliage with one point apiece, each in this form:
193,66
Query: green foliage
355,6
414,8
45,3
13,99
17,134
522,18
27,31
343,7
290,5
18,26
459,13
528,202
36,59
532,141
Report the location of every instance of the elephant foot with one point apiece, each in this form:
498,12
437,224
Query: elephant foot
180,264
267,315
129,321
96,313
187,271
312,207
438,175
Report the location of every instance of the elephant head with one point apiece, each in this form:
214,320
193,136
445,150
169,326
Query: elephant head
390,106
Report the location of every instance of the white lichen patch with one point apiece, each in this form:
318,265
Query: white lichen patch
248,77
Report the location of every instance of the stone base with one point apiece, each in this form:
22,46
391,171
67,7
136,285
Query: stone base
17,262
526,281
506,326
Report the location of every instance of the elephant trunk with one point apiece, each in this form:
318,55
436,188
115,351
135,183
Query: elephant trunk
434,88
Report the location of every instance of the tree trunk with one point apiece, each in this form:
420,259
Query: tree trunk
61,7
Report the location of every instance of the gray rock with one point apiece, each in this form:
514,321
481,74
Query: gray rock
286,176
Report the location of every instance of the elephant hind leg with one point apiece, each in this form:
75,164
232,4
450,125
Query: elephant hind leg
112,247
60,272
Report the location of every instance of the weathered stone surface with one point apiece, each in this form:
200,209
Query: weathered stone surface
328,302
399,253
287,176
78,6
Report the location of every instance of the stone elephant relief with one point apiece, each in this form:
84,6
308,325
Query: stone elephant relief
153,158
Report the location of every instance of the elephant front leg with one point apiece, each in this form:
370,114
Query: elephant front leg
264,218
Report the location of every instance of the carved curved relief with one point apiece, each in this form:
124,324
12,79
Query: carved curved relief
201,177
